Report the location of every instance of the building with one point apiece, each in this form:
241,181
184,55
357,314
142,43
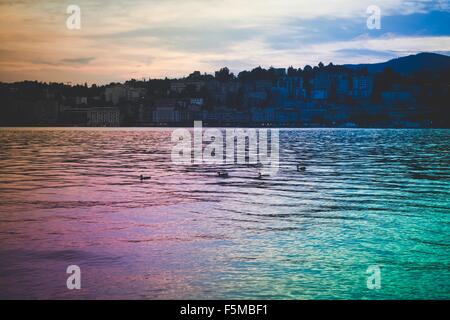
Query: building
322,81
181,85
280,72
319,94
321,86
362,87
73,116
342,85
263,85
293,86
397,97
220,92
166,115
103,117
287,116
197,101
115,93
46,111
135,94
166,103
81,100
255,98
263,115
144,114
226,116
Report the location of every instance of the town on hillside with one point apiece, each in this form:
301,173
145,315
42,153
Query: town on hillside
320,96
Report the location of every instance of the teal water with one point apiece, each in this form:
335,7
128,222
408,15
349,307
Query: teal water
368,197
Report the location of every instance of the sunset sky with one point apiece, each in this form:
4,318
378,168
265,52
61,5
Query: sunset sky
124,39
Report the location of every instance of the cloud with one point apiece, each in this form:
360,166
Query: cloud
77,61
120,39
191,38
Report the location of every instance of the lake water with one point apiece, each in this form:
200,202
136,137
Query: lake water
368,197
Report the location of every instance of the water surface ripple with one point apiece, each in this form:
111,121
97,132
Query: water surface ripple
368,197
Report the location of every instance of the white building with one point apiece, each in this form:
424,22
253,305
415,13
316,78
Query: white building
103,117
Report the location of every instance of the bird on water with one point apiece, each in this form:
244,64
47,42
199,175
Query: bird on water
142,178
261,175
222,174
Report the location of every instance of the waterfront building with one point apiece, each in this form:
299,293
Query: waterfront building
103,117
166,115
263,115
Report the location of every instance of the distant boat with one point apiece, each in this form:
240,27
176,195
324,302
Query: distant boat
300,168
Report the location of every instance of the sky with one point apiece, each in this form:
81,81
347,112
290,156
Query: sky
123,39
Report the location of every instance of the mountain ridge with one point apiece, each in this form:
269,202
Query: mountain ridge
424,61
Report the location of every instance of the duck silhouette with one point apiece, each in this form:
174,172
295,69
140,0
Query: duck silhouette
261,175
300,168
222,174
142,178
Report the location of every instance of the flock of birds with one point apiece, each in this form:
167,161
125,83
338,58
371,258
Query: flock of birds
224,174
